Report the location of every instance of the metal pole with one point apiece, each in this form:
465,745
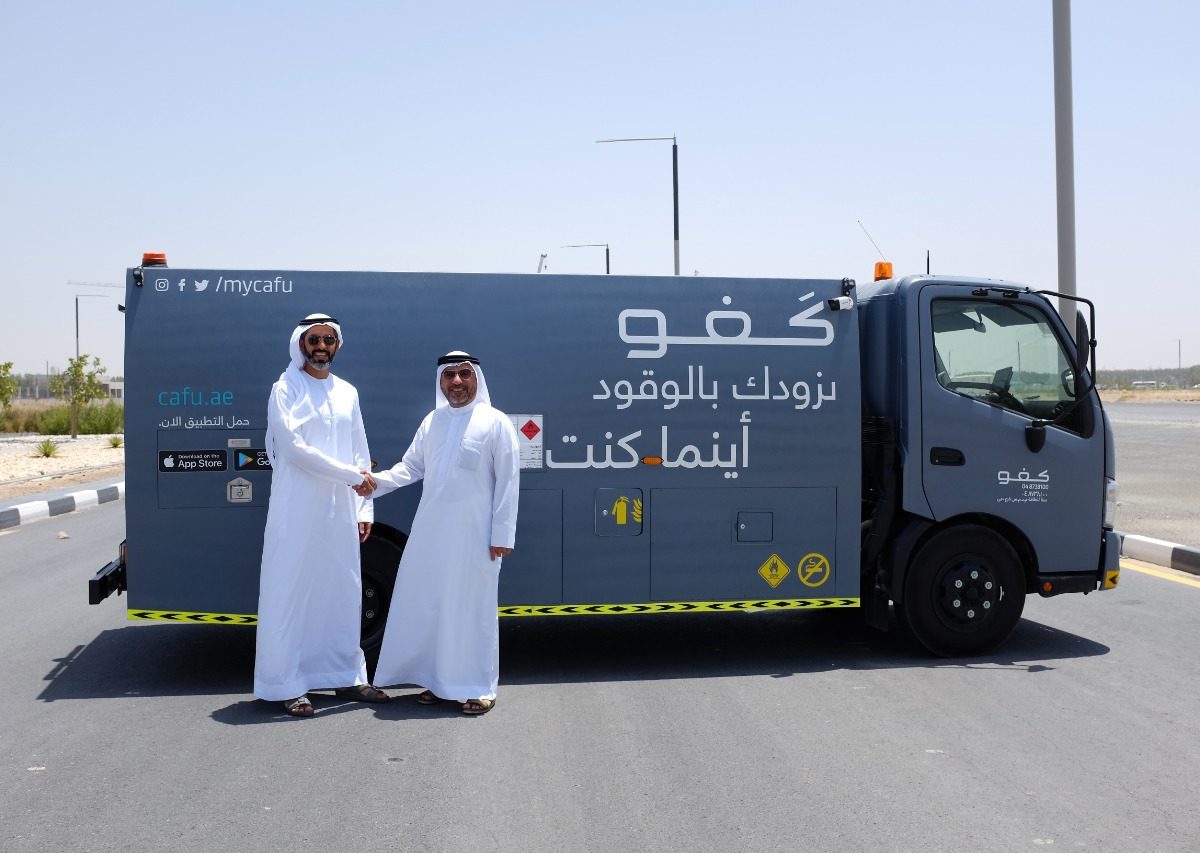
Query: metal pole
675,195
1064,147
607,268
77,298
674,178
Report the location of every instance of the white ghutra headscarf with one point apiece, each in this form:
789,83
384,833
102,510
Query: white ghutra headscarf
457,358
300,407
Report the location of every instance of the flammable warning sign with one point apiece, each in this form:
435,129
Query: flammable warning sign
774,570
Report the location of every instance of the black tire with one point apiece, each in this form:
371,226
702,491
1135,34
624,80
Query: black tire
964,592
379,557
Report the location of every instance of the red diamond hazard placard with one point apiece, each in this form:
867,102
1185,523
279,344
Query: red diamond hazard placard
531,429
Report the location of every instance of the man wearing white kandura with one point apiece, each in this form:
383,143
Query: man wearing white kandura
442,631
310,587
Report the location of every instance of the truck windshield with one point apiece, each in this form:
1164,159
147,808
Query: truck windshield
1003,353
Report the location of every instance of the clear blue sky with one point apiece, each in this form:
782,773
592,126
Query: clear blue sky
460,136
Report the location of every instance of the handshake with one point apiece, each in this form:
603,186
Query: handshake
364,489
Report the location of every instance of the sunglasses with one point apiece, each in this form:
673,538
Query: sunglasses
463,373
329,340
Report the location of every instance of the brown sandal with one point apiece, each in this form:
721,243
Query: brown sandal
363,693
298,707
475,707
428,697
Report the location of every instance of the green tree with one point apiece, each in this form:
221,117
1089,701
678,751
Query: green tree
8,385
78,385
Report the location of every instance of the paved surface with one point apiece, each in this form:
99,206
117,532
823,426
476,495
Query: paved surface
1158,466
700,733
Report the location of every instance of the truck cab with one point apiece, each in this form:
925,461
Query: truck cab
1000,480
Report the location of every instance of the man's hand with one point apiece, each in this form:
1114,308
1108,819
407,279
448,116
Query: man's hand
497,551
364,530
364,489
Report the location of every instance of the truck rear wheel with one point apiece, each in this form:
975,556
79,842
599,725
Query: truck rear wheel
964,592
379,558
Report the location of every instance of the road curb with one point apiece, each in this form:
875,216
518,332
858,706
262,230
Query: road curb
37,510
1160,552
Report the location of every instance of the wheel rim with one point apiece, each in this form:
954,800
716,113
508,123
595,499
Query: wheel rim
370,610
967,595
379,558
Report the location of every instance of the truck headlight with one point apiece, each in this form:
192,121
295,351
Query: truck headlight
1111,492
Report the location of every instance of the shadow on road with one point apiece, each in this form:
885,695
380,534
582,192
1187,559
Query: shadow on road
203,660
632,648
155,660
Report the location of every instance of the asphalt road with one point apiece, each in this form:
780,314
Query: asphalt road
1158,467
725,732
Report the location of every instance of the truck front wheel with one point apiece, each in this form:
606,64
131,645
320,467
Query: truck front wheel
964,592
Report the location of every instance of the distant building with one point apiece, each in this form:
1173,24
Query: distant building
33,386
36,386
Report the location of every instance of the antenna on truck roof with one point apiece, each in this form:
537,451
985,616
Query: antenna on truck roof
872,239
883,268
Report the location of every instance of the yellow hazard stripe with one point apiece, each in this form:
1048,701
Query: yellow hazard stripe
183,616
755,605
750,606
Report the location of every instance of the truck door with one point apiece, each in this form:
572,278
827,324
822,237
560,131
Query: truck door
991,364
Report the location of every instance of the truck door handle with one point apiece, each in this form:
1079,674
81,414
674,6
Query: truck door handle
946,456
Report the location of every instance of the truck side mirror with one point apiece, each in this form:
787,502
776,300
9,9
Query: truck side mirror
1081,351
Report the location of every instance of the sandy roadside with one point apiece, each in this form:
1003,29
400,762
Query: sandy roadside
1169,395
77,462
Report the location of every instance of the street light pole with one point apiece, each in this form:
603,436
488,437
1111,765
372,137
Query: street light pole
674,178
78,296
675,195
607,268
85,295
1064,158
